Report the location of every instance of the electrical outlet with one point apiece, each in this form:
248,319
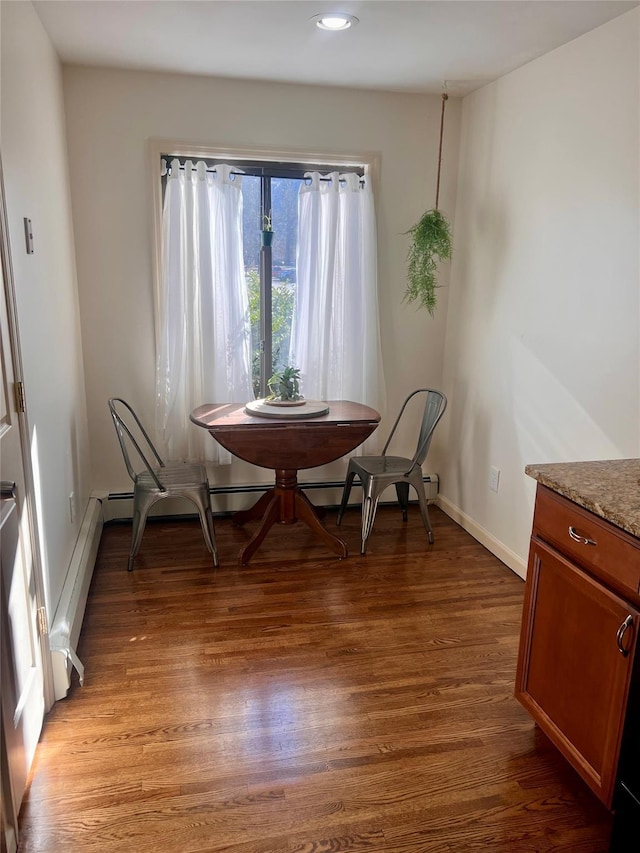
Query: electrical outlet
494,478
72,507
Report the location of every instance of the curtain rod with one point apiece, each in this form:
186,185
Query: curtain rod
167,170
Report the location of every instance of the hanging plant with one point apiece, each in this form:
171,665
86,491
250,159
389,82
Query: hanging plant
431,244
267,230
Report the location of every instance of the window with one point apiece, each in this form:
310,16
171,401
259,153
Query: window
232,309
270,189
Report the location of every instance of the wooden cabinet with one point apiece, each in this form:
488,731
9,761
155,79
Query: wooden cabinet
579,632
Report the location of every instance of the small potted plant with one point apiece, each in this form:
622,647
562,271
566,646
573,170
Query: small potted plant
267,230
284,386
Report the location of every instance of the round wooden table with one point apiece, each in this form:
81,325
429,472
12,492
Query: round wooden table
287,445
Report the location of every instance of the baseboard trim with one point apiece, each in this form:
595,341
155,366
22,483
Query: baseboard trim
497,548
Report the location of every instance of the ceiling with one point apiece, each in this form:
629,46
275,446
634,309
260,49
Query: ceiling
415,46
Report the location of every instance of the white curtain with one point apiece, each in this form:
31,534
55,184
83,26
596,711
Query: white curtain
335,337
203,332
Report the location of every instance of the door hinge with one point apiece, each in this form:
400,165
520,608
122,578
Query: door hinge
42,621
19,392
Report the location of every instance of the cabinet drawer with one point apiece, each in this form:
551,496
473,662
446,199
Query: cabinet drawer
602,549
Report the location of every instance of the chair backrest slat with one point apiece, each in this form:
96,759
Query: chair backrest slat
434,406
126,437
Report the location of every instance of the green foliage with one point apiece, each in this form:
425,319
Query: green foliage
431,242
285,385
266,222
282,302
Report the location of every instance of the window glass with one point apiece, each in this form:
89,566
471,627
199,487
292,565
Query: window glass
284,207
251,195
271,280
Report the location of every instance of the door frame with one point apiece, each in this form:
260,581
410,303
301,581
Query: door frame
9,822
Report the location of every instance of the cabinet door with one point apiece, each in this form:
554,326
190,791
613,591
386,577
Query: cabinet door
574,668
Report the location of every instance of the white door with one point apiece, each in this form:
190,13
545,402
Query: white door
23,696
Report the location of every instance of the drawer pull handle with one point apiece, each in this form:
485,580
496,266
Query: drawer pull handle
622,630
584,540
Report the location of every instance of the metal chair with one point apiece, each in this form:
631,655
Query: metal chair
159,480
378,472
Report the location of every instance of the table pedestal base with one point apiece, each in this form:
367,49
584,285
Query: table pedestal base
286,503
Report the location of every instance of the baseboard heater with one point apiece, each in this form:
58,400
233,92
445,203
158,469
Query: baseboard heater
431,487
67,622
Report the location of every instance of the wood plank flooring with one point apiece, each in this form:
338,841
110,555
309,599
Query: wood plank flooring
302,704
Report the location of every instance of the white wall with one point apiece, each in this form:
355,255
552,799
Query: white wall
542,360
541,357
111,115
32,136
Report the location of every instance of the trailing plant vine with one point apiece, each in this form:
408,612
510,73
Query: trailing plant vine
431,242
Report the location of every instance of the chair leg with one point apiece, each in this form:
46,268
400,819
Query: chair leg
369,507
140,513
402,491
203,504
209,534
418,485
345,496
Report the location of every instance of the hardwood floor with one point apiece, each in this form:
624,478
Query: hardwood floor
303,704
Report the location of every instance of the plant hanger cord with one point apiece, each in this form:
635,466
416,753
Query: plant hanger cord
431,243
445,98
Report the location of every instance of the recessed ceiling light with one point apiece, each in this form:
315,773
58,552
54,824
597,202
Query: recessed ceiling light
335,21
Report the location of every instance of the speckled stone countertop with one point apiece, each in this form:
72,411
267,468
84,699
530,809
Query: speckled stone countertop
610,488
